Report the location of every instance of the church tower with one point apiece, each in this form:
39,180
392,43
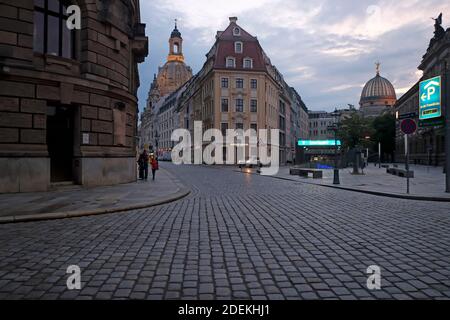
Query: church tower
175,46
175,72
154,93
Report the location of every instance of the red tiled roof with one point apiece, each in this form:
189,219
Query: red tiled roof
251,49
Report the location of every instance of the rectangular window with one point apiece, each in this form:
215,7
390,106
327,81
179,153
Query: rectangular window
223,128
239,126
50,34
254,126
239,83
239,105
282,139
254,84
53,36
224,105
224,82
253,105
282,123
282,107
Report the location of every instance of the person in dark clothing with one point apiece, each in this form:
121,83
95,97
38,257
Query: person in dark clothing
154,164
141,168
143,165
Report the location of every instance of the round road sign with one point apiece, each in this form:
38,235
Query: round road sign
408,126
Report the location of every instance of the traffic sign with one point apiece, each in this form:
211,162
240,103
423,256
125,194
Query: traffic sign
411,115
408,126
319,143
436,122
430,98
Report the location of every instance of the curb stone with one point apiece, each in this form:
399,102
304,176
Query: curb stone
372,192
181,193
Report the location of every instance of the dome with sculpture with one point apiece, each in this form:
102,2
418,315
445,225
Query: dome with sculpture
377,95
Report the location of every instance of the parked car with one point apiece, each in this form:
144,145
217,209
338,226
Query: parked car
249,163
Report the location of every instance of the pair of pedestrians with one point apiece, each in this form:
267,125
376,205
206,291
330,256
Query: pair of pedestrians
143,162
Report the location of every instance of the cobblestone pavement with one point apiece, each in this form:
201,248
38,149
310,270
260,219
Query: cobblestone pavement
236,236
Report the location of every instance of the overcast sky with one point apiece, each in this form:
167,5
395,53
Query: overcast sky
326,49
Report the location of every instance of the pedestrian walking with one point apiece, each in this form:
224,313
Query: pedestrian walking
143,165
154,164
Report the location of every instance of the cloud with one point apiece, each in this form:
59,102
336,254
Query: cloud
325,49
344,87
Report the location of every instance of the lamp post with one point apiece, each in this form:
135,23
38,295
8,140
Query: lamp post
335,128
379,154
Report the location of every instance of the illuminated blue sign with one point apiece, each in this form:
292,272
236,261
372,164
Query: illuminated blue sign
318,143
430,98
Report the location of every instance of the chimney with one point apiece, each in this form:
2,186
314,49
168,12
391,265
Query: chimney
233,19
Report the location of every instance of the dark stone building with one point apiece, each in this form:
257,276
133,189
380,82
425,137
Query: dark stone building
68,105
427,145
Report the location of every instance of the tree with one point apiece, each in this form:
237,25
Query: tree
353,132
384,133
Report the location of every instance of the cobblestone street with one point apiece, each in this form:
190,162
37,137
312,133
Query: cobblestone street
236,236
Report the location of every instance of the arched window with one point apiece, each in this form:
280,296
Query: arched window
176,48
238,47
51,35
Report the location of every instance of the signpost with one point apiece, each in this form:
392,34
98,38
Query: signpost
319,143
379,154
430,106
435,122
410,115
408,126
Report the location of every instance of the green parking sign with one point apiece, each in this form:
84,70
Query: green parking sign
430,98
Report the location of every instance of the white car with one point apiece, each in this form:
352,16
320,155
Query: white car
249,163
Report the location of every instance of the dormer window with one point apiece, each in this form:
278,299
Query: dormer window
238,47
248,63
236,31
231,62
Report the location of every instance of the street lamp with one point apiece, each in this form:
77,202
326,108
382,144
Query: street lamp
335,128
379,154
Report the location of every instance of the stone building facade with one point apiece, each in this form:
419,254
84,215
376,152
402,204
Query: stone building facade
301,119
319,121
239,88
427,145
68,105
